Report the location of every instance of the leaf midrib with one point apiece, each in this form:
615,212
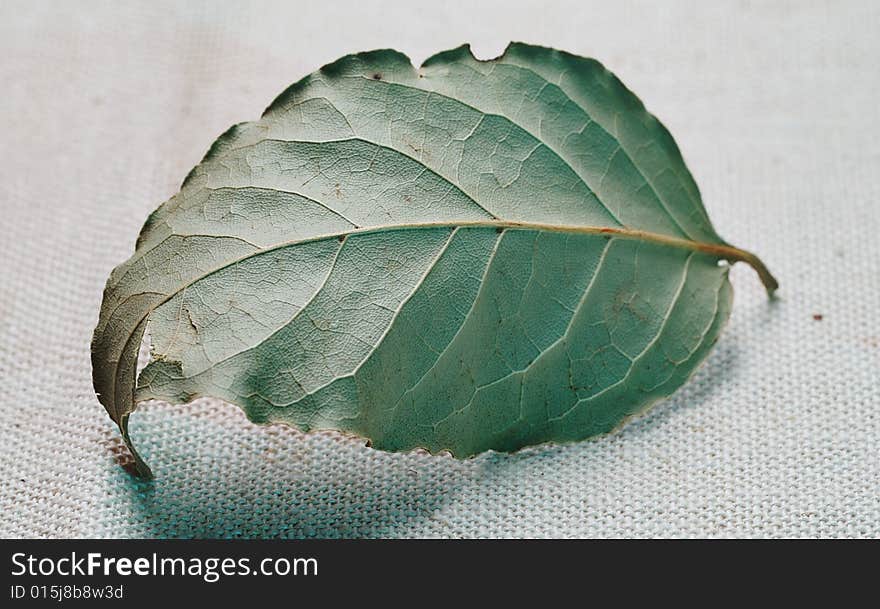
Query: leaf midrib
724,252
720,251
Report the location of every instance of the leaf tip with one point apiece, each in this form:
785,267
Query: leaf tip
142,470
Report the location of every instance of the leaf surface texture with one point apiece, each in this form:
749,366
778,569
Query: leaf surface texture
466,256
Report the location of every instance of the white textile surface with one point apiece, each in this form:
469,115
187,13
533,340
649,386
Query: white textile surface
107,105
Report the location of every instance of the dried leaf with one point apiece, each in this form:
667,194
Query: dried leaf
468,256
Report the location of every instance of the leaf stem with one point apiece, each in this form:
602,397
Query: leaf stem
734,254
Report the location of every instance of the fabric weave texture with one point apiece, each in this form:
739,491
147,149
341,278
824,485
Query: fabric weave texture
108,105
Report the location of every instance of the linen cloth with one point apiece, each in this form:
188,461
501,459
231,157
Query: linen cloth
107,105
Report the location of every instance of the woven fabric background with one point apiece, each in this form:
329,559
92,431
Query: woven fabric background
107,105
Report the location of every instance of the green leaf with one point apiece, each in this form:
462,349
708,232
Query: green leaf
473,255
